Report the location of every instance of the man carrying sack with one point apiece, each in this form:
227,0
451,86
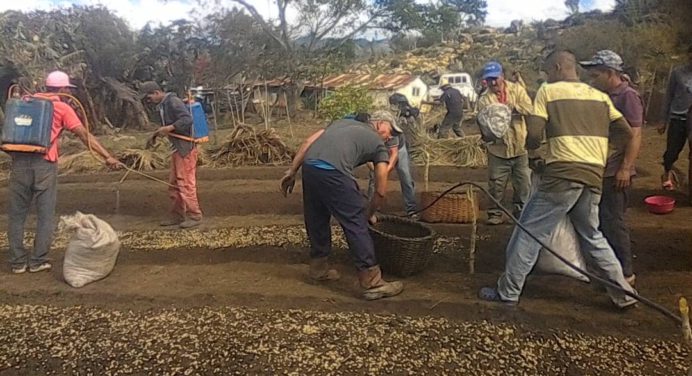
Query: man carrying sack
507,155
328,158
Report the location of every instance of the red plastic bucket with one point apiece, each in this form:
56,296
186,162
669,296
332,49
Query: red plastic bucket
660,204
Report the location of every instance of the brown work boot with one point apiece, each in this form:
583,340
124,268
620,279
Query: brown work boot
374,287
319,270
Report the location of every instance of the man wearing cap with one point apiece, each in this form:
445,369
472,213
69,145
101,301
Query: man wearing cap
605,70
578,122
34,176
507,157
677,104
399,159
177,125
454,103
328,158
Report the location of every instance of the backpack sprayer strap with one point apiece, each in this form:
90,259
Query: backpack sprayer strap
23,148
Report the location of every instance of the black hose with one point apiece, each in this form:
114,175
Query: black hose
592,276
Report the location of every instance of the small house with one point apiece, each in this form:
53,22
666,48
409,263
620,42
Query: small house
380,87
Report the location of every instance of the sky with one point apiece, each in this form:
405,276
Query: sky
139,12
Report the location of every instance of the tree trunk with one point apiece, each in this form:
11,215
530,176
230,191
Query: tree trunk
293,92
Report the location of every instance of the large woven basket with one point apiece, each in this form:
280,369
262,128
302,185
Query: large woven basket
403,247
452,208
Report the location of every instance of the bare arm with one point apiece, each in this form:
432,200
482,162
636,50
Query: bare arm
620,135
633,148
523,103
93,144
622,177
393,158
535,128
289,179
377,200
300,155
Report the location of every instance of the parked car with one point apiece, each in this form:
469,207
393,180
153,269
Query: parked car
459,81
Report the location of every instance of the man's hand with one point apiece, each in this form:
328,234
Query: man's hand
372,220
537,165
622,178
113,163
151,141
288,182
165,130
661,128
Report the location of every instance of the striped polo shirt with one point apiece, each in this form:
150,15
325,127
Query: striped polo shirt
578,119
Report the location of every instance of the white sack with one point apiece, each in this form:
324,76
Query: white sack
564,241
92,250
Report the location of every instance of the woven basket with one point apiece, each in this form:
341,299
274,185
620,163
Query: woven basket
452,208
403,247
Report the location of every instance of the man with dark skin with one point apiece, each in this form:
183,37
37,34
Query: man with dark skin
578,122
606,71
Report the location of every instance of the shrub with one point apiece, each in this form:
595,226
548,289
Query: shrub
347,100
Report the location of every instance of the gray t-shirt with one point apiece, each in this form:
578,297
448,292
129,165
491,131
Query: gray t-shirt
347,144
678,97
398,141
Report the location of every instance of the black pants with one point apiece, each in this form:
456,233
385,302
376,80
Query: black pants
452,121
328,193
678,135
611,212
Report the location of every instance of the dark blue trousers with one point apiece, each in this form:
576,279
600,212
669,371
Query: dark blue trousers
328,193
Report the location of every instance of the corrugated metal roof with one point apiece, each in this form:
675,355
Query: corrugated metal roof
374,82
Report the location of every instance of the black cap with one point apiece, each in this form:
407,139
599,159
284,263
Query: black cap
147,88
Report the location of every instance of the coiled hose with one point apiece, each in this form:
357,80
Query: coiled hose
655,306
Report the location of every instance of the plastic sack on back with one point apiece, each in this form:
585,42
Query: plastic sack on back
495,120
565,242
92,250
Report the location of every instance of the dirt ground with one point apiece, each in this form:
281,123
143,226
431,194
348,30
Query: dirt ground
232,297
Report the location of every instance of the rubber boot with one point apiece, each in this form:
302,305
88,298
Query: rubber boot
319,270
374,287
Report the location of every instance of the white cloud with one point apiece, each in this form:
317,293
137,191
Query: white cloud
26,5
502,12
139,12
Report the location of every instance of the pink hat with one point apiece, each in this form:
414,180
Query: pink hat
58,79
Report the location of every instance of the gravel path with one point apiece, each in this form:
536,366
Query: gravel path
37,339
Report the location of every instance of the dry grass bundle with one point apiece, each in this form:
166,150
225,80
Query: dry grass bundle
203,156
143,159
70,145
80,163
249,147
461,152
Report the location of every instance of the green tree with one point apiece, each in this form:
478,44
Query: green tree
347,100
438,19
471,12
